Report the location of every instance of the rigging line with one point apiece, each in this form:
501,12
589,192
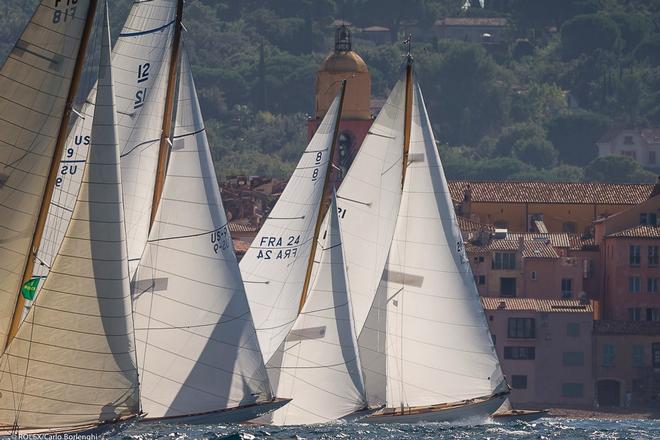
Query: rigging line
149,31
277,326
311,367
188,236
354,201
183,327
189,134
138,146
287,218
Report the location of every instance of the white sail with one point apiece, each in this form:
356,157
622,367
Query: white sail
320,367
35,80
438,345
368,201
196,342
72,361
274,267
140,64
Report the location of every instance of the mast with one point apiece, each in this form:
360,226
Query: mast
164,149
54,168
407,120
326,184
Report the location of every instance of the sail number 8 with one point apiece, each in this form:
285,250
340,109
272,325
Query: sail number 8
317,162
68,11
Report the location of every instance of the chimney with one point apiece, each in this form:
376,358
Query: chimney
656,188
466,204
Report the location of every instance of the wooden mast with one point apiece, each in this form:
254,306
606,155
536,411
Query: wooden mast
322,210
407,117
164,149
54,168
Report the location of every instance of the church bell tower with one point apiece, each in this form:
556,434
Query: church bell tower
344,63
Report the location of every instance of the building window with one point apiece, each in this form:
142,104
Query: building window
566,288
501,224
519,382
504,260
628,140
653,255
520,328
480,279
608,355
634,256
534,276
648,218
634,314
638,355
569,227
652,285
634,284
572,390
629,153
653,314
652,157
573,329
573,358
479,259
508,287
520,353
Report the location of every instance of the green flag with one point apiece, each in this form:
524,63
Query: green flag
30,288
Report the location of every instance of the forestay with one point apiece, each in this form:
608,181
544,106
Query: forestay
197,346
438,345
275,265
72,361
320,367
35,80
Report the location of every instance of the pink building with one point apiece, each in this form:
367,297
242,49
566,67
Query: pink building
544,347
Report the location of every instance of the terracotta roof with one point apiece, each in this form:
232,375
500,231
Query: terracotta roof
581,243
641,231
557,239
536,305
471,22
539,249
241,227
240,247
467,225
553,192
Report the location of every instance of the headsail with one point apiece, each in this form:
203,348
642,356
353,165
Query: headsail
320,366
438,345
36,81
72,362
275,266
197,347
140,60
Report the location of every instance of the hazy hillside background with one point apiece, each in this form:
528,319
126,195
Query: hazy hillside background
501,114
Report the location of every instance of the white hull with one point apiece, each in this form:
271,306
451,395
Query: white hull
477,411
231,415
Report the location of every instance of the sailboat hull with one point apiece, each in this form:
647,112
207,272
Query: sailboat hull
477,410
230,415
106,429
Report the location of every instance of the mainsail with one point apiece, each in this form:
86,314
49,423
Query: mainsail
140,61
276,265
36,80
72,362
320,368
197,346
438,345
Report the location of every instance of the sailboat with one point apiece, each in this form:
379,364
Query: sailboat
320,366
426,349
141,63
71,366
277,268
199,356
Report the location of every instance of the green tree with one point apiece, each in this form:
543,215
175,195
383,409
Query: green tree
538,152
574,135
517,133
584,34
620,169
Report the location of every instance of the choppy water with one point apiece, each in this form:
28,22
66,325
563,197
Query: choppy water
542,429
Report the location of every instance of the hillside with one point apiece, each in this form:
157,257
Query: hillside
531,107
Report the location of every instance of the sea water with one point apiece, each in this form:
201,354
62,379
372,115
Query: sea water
542,429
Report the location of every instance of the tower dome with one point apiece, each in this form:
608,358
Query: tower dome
341,64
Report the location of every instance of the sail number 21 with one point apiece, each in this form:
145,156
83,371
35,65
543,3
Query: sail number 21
64,9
